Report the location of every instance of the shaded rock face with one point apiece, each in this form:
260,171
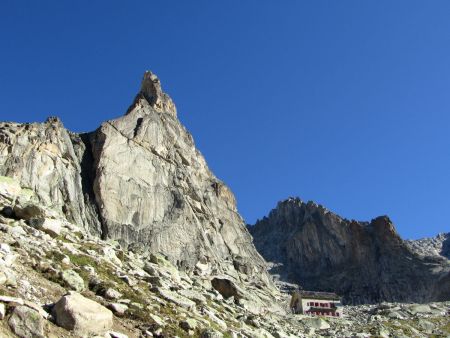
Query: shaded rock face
138,179
364,262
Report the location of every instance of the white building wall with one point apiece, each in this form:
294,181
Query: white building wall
321,307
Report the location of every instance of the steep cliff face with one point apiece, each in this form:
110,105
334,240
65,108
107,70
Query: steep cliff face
47,158
138,179
154,187
364,262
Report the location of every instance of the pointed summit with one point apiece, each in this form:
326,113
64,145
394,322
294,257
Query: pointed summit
153,93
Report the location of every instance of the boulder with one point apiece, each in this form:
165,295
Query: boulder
158,320
227,288
210,333
82,315
73,280
26,322
52,227
11,300
176,298
165,265
111,294
419,308
110,255
189,324
118,308
28,211
317,323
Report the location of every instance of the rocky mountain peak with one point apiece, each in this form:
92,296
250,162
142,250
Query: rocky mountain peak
362,261
55,120
139,180
152,91
384,228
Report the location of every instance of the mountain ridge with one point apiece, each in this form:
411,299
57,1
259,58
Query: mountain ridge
365,262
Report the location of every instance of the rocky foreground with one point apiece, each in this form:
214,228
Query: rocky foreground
57,280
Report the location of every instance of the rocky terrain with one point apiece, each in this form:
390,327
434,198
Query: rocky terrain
125,232
365,262
58,280
434,246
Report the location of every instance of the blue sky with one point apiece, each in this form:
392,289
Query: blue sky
342,102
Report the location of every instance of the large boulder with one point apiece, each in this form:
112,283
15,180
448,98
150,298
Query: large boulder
73,280
52,227
26,322
28,211
82,315
227,288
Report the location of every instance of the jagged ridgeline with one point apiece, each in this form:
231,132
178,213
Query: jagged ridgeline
365,262
137,179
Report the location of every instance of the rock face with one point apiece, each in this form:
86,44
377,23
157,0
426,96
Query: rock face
48,159
364,262
435,246
138,179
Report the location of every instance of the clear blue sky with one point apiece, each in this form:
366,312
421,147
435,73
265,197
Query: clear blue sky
346,103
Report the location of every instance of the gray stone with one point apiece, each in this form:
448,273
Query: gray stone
82,315
73,280
118,308
28,211
317,323
26,323
111,294
189,324
419,308
12,300
158,320
210,333
52,227
227,288
426,325
176,298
